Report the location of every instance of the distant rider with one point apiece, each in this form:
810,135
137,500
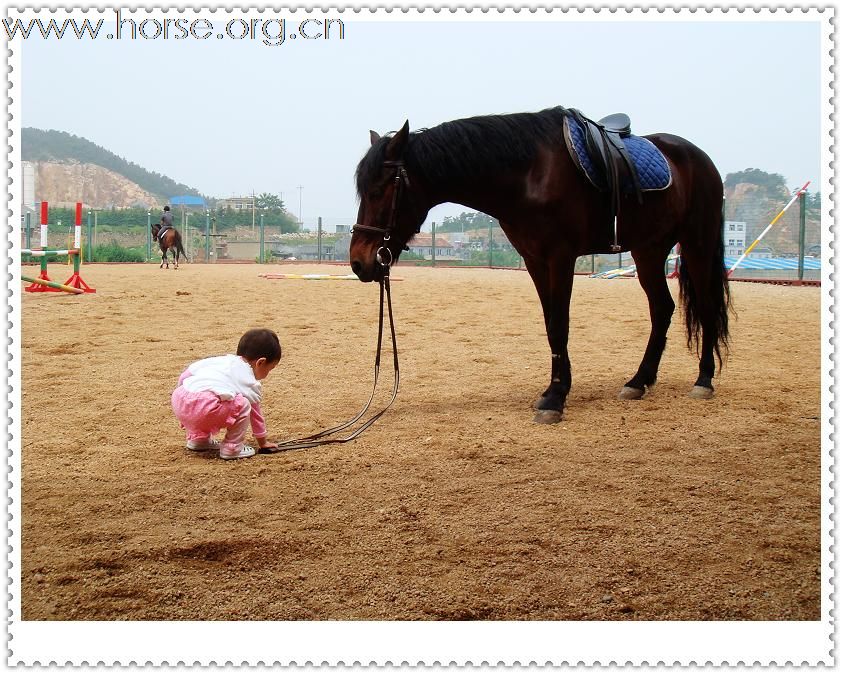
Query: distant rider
166,222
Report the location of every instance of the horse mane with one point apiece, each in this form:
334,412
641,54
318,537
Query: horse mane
468,148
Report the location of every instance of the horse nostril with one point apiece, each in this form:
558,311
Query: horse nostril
356,267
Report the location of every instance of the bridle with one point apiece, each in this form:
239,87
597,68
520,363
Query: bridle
322,438
401,180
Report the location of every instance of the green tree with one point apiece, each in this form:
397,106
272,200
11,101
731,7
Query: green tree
774,184
466,221
270,201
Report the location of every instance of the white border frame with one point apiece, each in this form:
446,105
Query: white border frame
382,643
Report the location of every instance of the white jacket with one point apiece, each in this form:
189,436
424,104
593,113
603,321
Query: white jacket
226,376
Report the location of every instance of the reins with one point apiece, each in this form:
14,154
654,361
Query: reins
322,438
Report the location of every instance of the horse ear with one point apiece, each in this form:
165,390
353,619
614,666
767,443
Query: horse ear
374,137
397,145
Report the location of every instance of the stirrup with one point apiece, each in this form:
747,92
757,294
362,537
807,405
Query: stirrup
615,247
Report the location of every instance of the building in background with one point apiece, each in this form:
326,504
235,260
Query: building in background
422,244
28,193
735,238
237,203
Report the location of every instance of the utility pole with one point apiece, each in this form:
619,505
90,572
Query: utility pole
300,219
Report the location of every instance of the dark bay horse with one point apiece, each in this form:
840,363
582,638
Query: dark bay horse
170,240
517,169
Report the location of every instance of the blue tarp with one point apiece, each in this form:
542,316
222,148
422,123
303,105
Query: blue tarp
773,263
188,200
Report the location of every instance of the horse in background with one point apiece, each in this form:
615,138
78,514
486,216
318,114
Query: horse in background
169,239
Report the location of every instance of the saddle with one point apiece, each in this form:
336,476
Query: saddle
164,229
609,157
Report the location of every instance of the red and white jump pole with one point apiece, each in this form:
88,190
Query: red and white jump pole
45,207
75,281
40,285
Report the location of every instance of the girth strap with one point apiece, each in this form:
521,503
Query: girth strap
605,147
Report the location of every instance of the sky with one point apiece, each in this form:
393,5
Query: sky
235,116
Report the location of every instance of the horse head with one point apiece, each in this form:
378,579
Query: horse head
392,206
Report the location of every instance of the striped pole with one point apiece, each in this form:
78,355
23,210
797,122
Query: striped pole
45,207
37,252
51,284
319,277
769,226
77,228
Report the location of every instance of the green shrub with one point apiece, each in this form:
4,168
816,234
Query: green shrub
114,252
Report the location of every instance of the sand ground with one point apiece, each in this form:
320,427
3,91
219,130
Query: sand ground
454,505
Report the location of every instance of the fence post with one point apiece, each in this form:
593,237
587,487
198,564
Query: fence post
148,233
207,236
90,245
28,220
802,198
490,246
319,240
433,246
262,239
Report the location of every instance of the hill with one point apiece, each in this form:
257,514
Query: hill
69,168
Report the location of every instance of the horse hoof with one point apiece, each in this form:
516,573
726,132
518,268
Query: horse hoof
547,417
629,393
701,393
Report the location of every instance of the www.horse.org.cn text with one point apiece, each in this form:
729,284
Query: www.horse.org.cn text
271,32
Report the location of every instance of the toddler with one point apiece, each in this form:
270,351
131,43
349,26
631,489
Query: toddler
224,392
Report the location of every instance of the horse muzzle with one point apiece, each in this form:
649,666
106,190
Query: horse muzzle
372,262
368,272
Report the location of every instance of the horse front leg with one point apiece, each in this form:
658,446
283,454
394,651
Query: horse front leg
164,260
555,285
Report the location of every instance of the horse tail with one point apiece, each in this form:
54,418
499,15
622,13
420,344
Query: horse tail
179,246
711,304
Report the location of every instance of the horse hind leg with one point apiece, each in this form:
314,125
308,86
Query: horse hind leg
650,272
706,299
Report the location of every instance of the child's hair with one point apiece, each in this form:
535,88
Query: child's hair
260,343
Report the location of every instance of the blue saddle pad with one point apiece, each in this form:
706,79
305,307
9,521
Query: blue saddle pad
653,171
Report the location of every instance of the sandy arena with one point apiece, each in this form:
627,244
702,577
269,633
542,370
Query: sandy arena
454,505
